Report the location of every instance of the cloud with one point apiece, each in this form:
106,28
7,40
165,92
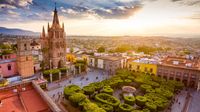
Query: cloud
16,3
188,2
195,16
107,9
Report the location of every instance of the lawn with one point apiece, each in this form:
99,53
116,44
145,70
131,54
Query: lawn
153,94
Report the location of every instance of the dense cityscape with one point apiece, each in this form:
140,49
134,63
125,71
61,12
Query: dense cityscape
52,71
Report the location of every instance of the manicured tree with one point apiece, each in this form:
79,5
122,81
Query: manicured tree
71,89
92,107
55,74
107,99
129,100
146,110
125,108
151,106
46,75
76,98
63,70
141,100
127,81
106,107
89,90
144,87
150,91
137,111
108,90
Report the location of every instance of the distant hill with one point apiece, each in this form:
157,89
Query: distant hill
15,31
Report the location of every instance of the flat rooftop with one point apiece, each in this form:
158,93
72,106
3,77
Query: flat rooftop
181,62
146,60
112,58
27,100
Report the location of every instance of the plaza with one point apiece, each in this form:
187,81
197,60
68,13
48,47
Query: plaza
93,75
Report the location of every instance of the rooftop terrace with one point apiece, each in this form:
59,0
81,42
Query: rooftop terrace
15,99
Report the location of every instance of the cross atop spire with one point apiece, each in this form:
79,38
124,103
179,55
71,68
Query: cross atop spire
55,17
55,7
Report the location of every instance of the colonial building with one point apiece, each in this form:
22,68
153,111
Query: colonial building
25,63
54,43
180,69
145,65
108,63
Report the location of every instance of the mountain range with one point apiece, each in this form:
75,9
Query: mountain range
16,31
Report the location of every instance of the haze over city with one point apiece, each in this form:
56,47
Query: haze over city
175,18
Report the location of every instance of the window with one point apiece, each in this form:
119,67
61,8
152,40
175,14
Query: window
25,48
0,66
9,67
27,58
145,69
138,67
151,70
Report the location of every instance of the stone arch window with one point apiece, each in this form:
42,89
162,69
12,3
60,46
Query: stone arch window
9,67
25,47
57,45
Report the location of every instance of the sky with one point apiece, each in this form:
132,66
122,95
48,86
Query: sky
176,18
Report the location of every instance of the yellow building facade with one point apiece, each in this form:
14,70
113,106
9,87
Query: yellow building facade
143,67
70,57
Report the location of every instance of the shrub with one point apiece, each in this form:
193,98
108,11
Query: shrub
141,100
63,70
92,107
71,89
150,90
107,99
127,81
129,100
151,106
88,90
125,108
106,107
146,110
76,98
108,90
136,111
144,87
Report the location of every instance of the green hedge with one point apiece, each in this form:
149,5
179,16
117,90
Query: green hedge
92,107
129,100
151,106
71,89
144,87
63,70
76,98
88,90
106,107
125,108
54,72
107,99
108,90
140,100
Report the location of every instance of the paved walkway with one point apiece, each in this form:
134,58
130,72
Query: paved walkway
195,102
80,80
179,102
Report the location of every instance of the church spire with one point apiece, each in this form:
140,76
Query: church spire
43,32
55,17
